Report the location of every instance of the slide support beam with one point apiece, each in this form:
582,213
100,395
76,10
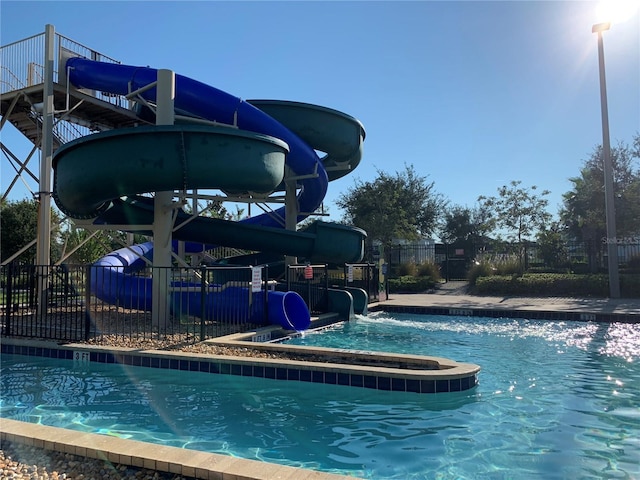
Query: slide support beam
162,216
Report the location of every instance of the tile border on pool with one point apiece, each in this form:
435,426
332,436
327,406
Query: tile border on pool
559,316
450,377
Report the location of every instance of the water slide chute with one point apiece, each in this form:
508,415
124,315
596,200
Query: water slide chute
160,158
212,104
112,281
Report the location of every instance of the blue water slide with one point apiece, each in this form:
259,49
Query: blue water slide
210,103
115,284
112,281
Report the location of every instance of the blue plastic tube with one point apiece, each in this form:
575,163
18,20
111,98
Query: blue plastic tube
112,282
212,104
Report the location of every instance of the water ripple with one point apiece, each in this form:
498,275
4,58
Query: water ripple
556,400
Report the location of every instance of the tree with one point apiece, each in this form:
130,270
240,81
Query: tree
82,246
401,206
321,211
215,209
463,224
520,211
552,246
583,210
19,226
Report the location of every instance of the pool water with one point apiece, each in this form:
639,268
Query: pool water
555,400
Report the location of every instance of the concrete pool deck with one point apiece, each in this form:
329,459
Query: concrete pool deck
453,296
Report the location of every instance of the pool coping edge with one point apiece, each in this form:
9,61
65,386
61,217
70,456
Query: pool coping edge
162,458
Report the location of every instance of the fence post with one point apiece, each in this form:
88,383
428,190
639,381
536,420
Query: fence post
203,302
326,287
87,302
40,291
8,301
266,295
309,285
31,285
446,262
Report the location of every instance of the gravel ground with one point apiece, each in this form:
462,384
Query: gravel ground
23,462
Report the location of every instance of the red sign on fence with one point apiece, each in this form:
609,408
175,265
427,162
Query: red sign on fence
308,272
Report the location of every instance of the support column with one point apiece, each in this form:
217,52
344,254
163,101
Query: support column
162,216
291,208
43,252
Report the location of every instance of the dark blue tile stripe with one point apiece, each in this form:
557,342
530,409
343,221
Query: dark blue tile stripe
280,373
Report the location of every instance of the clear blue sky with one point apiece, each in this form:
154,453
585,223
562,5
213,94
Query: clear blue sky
473,94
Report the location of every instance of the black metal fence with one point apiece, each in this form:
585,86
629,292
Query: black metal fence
411,254
358,275
311,283
580,257
57,313
96,304
100,304
455,260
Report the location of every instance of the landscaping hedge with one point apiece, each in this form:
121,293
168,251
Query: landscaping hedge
410,284
557,285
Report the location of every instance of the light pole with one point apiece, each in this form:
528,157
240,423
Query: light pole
610,214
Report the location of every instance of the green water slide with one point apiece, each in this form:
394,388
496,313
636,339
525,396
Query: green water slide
337,134
103,177
218,142
93,171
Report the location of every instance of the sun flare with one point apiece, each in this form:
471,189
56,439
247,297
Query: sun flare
616,11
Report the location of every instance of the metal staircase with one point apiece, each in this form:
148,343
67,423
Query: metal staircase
75,113
30,70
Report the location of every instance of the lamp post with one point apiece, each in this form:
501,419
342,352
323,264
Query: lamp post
612,245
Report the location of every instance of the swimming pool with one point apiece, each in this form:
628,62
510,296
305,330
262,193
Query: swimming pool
555,400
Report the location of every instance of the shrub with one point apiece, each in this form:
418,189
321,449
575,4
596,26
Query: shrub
630,286
410,284
429,269
481,269
580,267
548,270
407,269
508,266
633,265
543,285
